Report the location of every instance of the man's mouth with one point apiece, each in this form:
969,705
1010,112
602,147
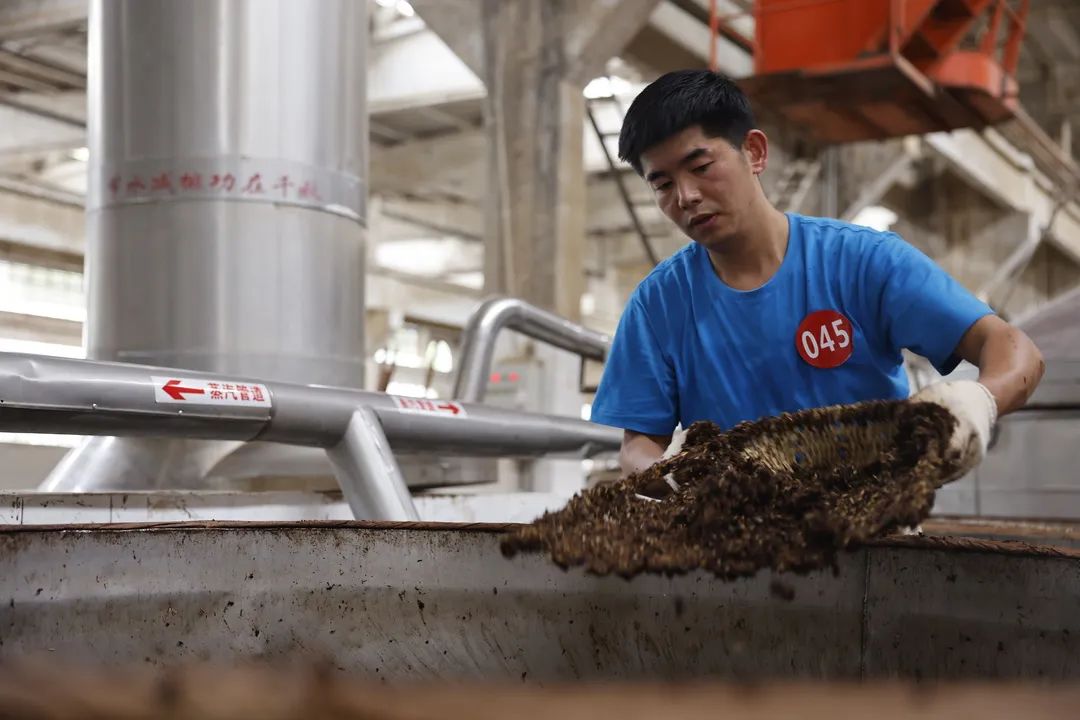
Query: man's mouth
702,220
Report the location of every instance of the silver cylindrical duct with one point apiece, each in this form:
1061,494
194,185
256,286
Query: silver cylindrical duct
226,205
497,313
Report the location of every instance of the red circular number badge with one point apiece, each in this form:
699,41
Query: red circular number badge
824,339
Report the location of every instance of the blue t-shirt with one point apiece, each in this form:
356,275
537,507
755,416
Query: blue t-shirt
689,347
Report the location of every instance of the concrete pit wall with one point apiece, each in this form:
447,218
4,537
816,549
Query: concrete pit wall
426,601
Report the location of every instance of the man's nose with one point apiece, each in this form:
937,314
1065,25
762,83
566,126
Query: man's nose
688,195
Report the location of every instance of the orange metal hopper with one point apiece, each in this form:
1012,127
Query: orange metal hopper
848,70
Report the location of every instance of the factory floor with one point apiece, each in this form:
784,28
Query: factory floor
210,692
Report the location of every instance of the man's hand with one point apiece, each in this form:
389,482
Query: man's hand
975,410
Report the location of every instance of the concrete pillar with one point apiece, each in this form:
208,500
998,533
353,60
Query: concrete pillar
535,213
535,58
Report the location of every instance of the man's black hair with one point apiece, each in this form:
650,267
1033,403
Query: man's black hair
682,99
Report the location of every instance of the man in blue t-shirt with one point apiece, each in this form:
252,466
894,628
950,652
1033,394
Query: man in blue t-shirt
767,312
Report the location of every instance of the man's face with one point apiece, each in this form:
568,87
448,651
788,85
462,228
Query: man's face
704,184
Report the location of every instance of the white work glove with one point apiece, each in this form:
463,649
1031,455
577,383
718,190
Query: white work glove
975,410
675,446
658,491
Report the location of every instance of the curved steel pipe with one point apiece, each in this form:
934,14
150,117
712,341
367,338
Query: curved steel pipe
498,313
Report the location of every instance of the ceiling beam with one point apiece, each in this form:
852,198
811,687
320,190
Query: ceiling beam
15,102
439,115
19,252
450,165
458,24
456,219
51,73
386,131
725,29
18,186
31,18
596,32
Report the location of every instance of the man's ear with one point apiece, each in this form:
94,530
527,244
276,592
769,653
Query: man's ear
755,148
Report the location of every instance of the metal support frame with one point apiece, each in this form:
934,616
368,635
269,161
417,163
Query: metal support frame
357,429
366,469
620,181
497,313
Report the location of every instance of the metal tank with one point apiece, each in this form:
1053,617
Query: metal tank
226,204
226,208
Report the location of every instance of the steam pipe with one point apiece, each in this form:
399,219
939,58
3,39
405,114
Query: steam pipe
497,313
82,397
358,429
40,394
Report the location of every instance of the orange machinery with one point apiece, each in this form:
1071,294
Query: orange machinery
848,70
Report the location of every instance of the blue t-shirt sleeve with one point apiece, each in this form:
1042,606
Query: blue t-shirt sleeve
637,391
919,306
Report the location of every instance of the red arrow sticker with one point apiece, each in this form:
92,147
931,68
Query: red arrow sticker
432,407
825,339
189,391
176,391
449,407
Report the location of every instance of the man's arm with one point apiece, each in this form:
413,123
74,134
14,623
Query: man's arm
922,308
640,451
638,389
1010,365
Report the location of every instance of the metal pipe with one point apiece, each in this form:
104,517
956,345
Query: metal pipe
11,100
620,185
83,397
367,471
40,192
497,313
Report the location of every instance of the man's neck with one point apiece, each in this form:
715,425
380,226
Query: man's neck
751,259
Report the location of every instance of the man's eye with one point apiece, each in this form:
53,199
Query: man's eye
662,187
702,168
